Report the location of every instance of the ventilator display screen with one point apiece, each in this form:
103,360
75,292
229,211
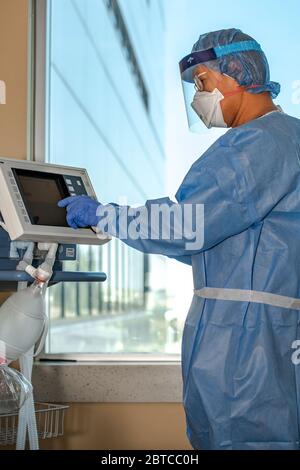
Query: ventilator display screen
41,192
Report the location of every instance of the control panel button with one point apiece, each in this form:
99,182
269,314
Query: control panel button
70,252
71,188
68,181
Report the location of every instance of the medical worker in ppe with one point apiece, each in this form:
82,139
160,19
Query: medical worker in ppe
241,386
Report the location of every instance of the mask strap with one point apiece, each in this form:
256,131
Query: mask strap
240,90
230,93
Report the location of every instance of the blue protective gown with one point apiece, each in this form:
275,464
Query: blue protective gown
241,389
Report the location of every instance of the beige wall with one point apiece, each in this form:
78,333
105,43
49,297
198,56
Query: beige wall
13,70
88,426
122,426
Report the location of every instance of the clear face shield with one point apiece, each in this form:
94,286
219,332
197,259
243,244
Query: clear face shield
202,104
192,84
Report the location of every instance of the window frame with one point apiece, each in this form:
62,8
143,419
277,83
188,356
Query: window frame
37,136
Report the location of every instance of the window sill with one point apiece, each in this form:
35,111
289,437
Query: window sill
109,381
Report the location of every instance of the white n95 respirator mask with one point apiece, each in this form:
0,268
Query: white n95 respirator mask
208,107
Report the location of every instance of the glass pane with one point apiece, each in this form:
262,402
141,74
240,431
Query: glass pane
105,112
114,106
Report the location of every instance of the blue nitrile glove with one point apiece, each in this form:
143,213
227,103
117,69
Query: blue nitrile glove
81,211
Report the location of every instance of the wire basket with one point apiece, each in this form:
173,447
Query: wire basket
49,420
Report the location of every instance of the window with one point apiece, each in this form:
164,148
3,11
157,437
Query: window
103,112
113,104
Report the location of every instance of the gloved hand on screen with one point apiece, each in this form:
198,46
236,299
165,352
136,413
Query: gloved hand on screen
81,211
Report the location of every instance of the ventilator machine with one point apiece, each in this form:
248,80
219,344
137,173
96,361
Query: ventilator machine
35,239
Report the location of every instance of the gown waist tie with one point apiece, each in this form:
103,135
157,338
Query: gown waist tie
243,295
